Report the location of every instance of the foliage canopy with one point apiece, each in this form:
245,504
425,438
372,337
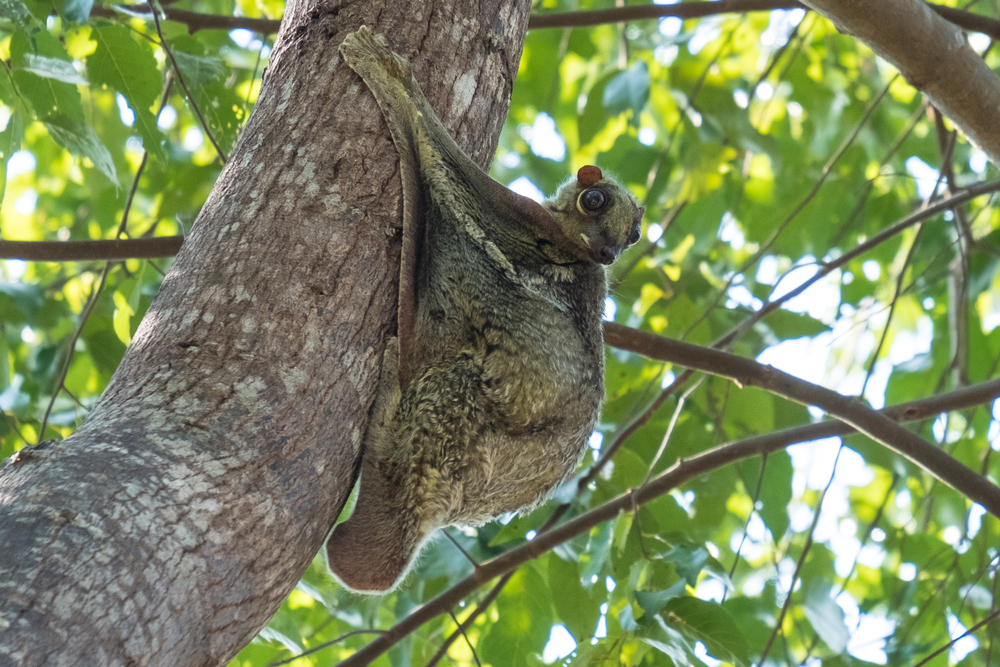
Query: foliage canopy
766,147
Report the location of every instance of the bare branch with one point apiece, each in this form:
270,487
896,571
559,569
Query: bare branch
195,20
683,10
690,10
79,251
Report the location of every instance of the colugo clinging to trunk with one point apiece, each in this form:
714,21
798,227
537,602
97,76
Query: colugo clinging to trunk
491,390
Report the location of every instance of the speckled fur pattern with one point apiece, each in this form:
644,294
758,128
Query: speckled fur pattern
488,397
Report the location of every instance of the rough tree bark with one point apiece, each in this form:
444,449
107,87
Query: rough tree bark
171,525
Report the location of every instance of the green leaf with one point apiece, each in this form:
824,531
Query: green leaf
10,143
221,108
786,324
525,619
670,642
595,114
49,96
688,560
826,616
77,11
628,90
53,68
105,348
45,363
592,560
23,301
135,290
576,607
775,491
710,624
129,67
4,361
123,318
81,140
15,11
198,69
652,601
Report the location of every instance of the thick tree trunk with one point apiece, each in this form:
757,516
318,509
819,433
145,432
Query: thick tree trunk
171,525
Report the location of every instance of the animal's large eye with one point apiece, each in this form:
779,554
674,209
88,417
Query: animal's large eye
634,236
591,201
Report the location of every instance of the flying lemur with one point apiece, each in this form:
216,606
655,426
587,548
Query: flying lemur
491,390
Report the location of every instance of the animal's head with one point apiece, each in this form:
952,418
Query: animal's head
598,215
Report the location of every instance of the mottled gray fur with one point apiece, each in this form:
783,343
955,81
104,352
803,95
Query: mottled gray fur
488,399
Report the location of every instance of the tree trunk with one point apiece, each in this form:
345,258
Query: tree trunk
168,529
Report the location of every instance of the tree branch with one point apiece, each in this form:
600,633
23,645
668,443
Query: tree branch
686,10
683,10
747,372
933,55
168,246
691,10
682,471
80,251
195,20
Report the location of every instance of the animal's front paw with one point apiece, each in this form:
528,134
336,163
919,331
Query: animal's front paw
368,54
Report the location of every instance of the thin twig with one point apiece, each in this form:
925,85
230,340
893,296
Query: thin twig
463,626
461,549
993,615
899,291
876,426
193,20
670,427
12,423
64,368
746,526
324,645
690,10
253,78
824,174
573,19
187,91
462,630
800,562
943,204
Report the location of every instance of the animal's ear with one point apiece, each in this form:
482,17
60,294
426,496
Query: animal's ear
588,175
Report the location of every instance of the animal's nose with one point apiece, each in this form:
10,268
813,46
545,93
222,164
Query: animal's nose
607,255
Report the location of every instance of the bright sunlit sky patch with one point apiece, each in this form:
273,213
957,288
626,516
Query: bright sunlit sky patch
560,644
167,118
20,162
925,176
543,139
126,114
523,186
247,39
